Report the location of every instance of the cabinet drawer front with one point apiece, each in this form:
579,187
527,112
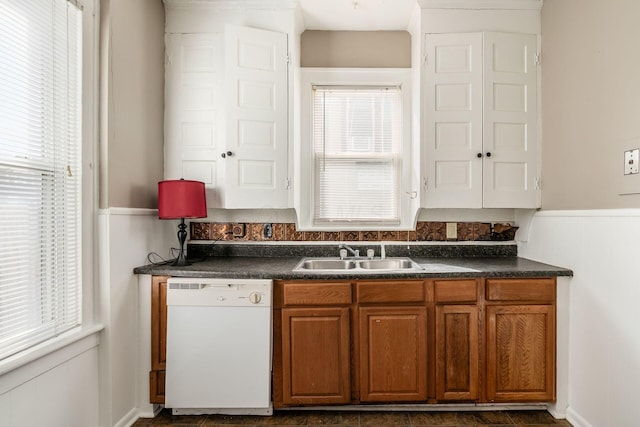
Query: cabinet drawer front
521,289
391,291
456,290
317,294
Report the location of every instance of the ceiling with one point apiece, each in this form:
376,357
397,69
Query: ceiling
357,15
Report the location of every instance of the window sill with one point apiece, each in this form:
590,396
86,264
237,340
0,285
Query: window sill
65,347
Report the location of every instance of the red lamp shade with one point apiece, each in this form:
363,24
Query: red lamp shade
181,199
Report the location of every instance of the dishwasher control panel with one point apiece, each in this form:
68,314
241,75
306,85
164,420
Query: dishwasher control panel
219,292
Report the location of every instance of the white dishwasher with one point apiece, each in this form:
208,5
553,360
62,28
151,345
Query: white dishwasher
219,346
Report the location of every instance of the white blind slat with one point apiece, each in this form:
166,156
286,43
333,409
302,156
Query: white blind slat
40,204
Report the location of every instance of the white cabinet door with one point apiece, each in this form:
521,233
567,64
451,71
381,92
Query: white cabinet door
255,147
453,120
193,108
510,121
480,118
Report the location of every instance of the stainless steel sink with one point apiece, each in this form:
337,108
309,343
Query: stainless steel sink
332,265
387,264
326,264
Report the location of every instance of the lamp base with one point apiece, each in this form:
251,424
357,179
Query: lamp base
181,260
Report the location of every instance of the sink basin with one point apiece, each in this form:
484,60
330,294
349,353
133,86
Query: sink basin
332,265
387,264
326,264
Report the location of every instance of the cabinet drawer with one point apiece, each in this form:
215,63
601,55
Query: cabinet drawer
456,290
391,291
542,290
317,294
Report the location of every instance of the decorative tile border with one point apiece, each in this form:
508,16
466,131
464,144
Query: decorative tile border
257,232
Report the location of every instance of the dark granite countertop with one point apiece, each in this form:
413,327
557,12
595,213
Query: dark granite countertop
454,264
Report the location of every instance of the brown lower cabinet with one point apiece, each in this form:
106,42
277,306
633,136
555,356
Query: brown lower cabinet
158,338
430,341
521,340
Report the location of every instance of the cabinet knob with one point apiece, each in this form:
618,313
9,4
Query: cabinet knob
488,154
228,153
479,155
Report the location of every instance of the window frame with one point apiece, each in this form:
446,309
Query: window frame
90,324
305,194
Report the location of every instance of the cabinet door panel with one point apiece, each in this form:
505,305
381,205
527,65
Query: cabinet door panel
521,353
257,131
453,120
193,107
510,130
393,354
315,355
457,352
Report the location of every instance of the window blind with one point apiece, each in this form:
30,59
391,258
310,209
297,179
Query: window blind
357,146
40,171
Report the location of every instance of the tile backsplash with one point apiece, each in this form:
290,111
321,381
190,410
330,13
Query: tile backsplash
425,231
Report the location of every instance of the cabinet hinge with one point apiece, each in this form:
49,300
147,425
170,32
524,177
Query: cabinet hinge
287,183
425,59
168,59
538,59
288,58
537,184
425,183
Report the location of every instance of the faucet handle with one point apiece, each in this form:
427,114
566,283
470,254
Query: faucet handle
343,253
370,253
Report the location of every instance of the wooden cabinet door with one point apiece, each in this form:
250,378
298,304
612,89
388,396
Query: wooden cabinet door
520,353
457,352
393,354
158,339
315,356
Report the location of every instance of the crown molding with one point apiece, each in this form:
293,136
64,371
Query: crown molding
482,4
232,4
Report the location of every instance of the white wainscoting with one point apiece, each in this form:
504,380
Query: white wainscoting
126,237
602,247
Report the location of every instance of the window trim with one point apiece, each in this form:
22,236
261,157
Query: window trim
303,149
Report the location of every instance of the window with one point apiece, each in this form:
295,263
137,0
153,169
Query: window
355,165
40,171
357,141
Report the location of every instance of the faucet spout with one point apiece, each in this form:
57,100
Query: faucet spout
383,252
354,252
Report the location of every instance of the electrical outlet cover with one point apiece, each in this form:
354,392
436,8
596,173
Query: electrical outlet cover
631,161
238,230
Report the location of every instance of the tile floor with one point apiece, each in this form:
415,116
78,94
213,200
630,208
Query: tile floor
363,419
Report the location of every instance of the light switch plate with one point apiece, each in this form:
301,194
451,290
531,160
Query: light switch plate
452,230
631,161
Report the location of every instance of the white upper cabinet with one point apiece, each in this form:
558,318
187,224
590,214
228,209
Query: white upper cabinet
226,115
481,122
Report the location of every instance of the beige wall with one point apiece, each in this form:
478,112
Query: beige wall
590,101
375,49
132,90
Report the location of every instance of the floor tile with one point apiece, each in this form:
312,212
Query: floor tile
230,420
483,418
334,418
284,418
532,418
379,419
435,418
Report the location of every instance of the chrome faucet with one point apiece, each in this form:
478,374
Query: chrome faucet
354,252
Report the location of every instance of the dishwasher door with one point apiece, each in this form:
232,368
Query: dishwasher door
219,346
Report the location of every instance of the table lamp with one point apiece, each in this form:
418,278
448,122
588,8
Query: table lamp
180,199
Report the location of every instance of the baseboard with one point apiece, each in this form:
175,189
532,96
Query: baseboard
130,418
576,420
